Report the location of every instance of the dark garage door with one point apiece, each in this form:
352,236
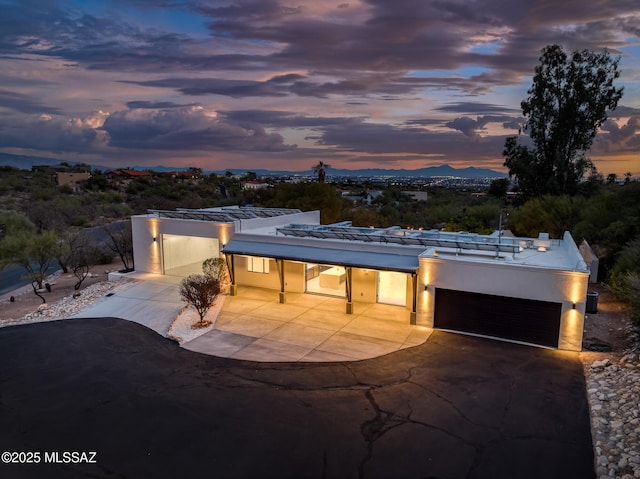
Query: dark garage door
536,322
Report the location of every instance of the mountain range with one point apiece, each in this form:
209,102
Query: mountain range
27,162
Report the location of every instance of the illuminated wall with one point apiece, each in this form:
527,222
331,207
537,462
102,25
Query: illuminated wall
511,280
147,237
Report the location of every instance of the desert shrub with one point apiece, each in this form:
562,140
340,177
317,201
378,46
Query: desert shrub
200,291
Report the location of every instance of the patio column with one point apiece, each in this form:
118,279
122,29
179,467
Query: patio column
414,298
349,291
233,288
280,267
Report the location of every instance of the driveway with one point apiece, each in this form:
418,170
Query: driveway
453,407
256,327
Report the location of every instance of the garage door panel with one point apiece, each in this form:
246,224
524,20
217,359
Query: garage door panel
536,322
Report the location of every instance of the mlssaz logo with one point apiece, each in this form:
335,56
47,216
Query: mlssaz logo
70,457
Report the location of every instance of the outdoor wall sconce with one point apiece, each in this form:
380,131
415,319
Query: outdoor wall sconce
426,287
155,239
573,305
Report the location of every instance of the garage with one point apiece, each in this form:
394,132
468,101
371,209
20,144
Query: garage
183,255
524,320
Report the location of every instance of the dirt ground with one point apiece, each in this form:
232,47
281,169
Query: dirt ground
608,330
25,301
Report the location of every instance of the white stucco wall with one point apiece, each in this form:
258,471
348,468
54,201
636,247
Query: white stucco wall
147,253
502,279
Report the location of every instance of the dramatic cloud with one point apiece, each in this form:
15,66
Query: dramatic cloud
283,82
189,128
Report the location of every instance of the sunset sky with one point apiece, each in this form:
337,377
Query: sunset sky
282,84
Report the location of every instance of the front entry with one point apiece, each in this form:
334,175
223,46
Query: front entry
392,288
326,279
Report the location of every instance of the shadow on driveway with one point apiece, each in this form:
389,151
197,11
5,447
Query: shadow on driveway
454,407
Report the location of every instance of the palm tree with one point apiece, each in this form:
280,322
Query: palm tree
321,170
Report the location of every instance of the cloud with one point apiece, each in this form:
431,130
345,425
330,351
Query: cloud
55,133
372,79
472,128
24,103
186,129
474,108
376,139
154,105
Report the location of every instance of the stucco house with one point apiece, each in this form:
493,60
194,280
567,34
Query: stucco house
529,290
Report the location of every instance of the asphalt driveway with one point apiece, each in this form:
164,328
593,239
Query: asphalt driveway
453,407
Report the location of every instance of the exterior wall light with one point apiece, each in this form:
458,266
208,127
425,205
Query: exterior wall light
426,287
155,239
573,305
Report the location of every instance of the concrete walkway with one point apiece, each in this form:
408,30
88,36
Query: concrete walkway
255,326
153,302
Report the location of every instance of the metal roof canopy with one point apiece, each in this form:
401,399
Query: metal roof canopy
395,235
226,215
332,256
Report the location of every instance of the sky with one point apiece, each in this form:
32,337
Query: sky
283,84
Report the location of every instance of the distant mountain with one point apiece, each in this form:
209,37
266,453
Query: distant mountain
432,171
27,162
23,162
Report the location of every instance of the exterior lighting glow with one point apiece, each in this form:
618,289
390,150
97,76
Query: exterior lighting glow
542,249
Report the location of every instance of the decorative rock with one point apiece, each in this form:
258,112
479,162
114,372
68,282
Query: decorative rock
601,364
613,391
68,306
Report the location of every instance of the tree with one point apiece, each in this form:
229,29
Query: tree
567,103
321,170
217,268
200,291
499,187
36,253
550,214
121,242
83,254
308,196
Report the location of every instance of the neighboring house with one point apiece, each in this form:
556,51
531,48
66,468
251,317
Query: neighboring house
129,173
72,180
253,185
529,290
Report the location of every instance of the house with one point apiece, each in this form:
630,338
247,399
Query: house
528,290
253,185
72,180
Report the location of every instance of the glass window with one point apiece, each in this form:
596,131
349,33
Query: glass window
258,265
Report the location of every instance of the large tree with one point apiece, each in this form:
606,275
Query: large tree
568,101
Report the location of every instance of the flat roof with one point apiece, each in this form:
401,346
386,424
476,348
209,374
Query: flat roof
223,214
335,255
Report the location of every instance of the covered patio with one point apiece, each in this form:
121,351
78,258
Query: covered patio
255,326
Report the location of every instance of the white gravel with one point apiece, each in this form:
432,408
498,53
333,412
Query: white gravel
613,390
182,328
69,305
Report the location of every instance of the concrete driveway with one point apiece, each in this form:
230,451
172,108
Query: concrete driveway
453,407
256,327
